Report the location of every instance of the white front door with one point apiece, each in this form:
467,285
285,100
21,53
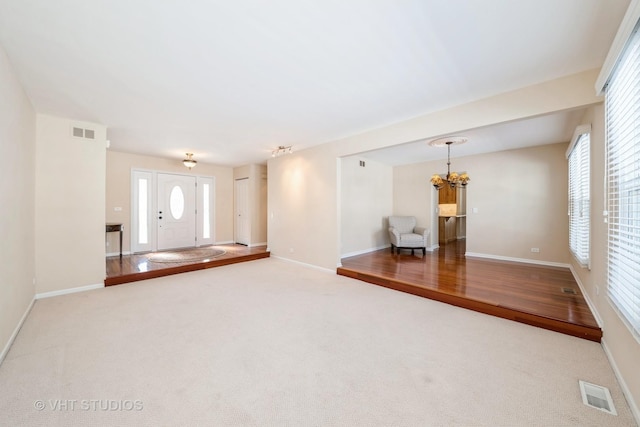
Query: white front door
243,229
176,211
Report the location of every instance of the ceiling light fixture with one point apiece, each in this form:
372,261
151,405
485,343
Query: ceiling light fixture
282,150
452,178
189,162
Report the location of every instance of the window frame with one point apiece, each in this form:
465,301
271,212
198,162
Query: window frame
579,195
622,118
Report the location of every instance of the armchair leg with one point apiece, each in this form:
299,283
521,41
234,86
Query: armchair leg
424,251
411,252
392,249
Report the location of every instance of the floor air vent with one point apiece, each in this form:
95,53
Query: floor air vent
597,397
569,291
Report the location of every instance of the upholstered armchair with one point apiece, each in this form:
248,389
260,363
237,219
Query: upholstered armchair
404,234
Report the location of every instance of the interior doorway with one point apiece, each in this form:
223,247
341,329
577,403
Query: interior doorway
452,215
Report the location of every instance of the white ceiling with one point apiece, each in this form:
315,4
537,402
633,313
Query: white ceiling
232,80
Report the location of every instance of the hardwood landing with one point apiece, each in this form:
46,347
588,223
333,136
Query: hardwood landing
525,293
132,268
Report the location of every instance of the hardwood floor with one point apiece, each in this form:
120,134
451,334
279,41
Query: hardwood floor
525,293
131,268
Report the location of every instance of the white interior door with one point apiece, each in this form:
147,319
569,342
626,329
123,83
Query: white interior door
243,228
176,211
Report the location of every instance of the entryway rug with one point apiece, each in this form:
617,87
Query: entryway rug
185,255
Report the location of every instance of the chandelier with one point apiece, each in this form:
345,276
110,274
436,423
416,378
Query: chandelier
453,179
189,162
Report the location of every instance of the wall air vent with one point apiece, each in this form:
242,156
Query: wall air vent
83,133
597,397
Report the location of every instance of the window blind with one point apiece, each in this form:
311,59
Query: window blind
622,102
580,200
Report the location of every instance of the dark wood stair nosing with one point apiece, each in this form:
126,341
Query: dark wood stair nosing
144,275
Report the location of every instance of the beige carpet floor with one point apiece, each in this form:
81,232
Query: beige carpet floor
272,343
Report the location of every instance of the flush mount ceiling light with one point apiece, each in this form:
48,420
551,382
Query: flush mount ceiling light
452,178
189,162
282,150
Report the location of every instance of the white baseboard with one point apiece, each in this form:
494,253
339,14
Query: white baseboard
623,385
522,260
69,291
326,270
387,246
590,303
118,253
253,245
13,336
226,242
364,251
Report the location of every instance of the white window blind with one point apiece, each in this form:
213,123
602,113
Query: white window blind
623,182
580,199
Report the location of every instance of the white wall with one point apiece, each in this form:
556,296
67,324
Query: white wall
118,192
303,186
17,198
366,203
303,207
412,195
518,193
70,205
